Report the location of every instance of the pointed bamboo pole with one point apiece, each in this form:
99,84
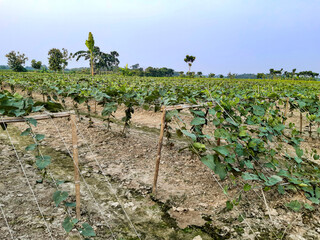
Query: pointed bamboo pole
76,163
286,107
156,173
301,123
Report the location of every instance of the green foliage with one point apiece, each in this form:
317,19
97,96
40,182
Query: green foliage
16,61
249,121
189,60
69,223
59,196
55,59
36,64
87,230
294,205
43,161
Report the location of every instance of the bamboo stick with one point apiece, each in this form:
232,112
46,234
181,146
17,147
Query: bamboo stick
37,117
301,122
286,108
76,164
219,139
156,173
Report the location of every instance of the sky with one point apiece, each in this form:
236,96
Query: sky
237,36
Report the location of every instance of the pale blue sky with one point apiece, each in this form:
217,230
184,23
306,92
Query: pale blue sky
238,36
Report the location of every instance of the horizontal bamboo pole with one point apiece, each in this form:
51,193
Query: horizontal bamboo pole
185,106
37,117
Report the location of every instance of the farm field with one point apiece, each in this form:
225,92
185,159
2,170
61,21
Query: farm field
240,161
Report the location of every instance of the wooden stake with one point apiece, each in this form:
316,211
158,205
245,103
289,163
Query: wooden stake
156,173
286,108
301,122
76,163
219,139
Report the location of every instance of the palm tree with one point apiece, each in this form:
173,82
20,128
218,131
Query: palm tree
293,73
189,59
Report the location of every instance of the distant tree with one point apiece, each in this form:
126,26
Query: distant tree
261,76
278,72
271,71
135,66
199,74
66,57
3,67
16,61
100,59
221,76
287,74
307,74
181,73
231,75
293,73
36,64
55,59
189,59
138,72
106,61
212,75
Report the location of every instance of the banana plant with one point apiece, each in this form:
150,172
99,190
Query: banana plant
90,46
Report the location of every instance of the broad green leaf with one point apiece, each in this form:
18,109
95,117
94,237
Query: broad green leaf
298,160
198,121
279,127
198,113
69,223
59,196
314,200
39,137
258,110
294,205
31,147
209,161
87,230
37,109
70,204
26,132
299,152
32,121
248,164
223,150
274,179
221,170
43,161
249,176
281,189
308,207
221,133
188,134
212,112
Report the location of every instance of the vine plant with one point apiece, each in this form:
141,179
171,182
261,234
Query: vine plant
16,106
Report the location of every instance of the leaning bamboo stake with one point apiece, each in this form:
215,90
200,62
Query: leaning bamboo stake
300,122
219,139
76,163
286,108
156,173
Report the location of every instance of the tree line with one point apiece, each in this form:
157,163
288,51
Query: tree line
100,61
